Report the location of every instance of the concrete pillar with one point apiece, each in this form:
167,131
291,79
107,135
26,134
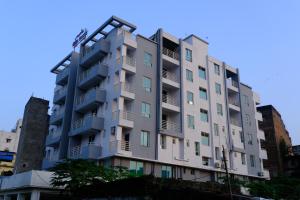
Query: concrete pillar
35,195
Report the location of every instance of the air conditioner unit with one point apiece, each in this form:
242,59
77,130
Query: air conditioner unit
260,174
217,165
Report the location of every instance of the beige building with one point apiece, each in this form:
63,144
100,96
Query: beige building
8,147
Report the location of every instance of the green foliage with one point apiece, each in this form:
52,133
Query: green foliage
75,174
277,188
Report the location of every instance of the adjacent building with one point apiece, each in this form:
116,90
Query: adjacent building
33,133
8,148
277,143
157,105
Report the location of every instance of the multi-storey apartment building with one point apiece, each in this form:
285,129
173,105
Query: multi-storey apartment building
8,147
158,105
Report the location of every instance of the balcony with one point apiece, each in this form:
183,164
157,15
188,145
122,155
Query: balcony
51,160
60,96
127,38
62,77
170,128
90,151
90,100
88,124
232,85
263,154
170,79
120,147
125,118
127,63
125,90
95,52
53,139
92,76
75,152
57,116
258,116
170,55
170,103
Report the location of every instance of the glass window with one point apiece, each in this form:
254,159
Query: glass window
145,138
252,160
188,55
197,148
205,161
91,139
217,69
218,88
166,171
147,84
190,97
202,73
216,129
243,157
189,75
136,168
242,137
147,59
203,93
163,141
250,138
217,153
203,115
205,138
191,121
219,109
146,110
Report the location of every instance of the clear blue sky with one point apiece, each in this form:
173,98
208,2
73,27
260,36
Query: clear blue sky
259,37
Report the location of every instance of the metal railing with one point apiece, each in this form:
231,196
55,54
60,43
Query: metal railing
125,145
75,152
170,76
232,82
120,114
128,60
80,122
169,99
169,125
123,86
170,53
234,101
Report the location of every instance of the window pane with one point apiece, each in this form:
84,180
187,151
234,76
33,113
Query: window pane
205,138
146,110
216,129
147,84
191,120
147,59
190,97
203,115
188,55
202,73
219,109
217,69
189,75
197,148
218,88
203,93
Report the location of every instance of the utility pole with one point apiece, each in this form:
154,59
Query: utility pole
227,174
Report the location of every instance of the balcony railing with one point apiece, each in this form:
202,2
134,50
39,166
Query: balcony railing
124,86
120,114
128,60
125,145
169,125
170,53
60,91
58,112
75,152
169,75
169,99
234,101
231,82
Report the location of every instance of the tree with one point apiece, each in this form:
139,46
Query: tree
75,174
